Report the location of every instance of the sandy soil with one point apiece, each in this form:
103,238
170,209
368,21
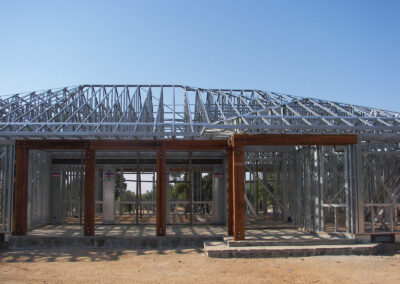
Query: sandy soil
188,265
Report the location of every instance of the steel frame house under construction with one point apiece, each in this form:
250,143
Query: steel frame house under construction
270,158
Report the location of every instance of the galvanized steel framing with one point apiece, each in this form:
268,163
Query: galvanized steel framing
349,188
175,111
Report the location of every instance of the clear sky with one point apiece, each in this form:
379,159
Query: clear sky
346,51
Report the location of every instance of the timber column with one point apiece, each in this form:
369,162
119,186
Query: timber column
90,168
238,191
161,190
229,188
21,188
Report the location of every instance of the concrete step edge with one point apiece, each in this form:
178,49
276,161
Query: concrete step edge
292,251
250,243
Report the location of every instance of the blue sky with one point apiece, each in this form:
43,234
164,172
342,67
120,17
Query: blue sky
346,51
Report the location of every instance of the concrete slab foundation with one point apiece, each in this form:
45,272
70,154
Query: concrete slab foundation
129,231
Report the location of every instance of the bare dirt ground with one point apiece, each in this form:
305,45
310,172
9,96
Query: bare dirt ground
190,265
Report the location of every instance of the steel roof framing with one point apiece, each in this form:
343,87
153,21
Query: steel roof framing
180,112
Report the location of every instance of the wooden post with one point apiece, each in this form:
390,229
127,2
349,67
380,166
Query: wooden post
21,188
238,192
229,188
90,168
161,190
276,192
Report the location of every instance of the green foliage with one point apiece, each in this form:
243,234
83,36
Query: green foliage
148,196
181,189
178,191
206,187
120,184
127,195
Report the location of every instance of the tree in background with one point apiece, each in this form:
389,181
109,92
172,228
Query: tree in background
178,191
181,189
120,184
206,187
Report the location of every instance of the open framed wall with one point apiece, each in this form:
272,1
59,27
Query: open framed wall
335,184
7,156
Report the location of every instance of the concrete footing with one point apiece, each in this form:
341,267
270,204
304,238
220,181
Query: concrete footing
387,237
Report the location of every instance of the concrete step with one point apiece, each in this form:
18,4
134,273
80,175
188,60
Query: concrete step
290,242
39,242
221,250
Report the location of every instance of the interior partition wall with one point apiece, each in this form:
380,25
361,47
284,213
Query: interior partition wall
325,189
66,193
38,189
379,196
311,187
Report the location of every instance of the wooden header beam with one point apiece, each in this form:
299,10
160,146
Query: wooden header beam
55,144
193,145
178,145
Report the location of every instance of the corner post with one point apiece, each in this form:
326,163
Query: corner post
238,191
21,189
229,188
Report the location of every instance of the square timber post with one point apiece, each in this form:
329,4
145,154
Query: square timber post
229,187
161,190
238,191
21,189
90,168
